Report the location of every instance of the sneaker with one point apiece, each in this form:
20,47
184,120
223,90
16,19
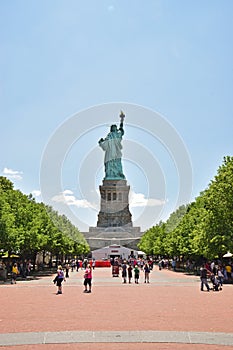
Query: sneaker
85,291
89,291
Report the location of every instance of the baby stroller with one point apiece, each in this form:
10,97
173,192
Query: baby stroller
216,285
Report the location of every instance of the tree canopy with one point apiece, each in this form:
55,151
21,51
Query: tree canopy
28,227
202,228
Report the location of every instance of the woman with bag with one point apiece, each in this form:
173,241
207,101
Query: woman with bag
87,279
59,279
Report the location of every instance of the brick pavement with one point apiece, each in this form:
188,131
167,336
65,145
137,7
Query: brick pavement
171,303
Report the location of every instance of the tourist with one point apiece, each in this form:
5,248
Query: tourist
228,270
87,279
67,268
151,264
220,275
72,265
213,267
29,267
174,265
146,272
140,263
84,264
15,273
77,265
136,274
130,273
3,270
215,282
203,275
22,268
59,279
124,271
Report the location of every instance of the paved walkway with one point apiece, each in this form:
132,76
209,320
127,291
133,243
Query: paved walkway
169,313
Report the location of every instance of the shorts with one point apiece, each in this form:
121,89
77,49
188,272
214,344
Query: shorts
59,281
87,281
14,276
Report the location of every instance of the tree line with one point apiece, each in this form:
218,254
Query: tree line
201,229
28,228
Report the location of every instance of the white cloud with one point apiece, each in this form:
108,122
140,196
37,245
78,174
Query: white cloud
135,200
68,198
12,174
67,192
139,200
36,193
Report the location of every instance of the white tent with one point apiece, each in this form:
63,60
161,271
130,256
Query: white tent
113,250
141,253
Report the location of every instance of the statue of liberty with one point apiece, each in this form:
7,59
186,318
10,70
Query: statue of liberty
112,147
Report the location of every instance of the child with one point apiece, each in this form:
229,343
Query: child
216,284
136,273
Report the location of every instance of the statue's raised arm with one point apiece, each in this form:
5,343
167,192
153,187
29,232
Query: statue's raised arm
122,117
112,147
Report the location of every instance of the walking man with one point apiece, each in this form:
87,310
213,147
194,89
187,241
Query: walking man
203,275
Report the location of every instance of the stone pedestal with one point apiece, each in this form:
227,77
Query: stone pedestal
98,237
114,205
114,225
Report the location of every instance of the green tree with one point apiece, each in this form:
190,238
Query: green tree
202,228
218,226
28,227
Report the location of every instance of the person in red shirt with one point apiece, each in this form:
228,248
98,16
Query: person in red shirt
87,279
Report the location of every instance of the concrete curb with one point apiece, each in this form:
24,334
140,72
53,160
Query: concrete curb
68,337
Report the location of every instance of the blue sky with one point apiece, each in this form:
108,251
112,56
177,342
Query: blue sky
59,59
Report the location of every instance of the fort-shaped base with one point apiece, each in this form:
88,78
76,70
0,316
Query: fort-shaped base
114,205
114,225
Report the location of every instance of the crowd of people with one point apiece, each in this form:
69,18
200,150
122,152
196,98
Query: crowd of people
131,269
63,273
217,272
20,268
